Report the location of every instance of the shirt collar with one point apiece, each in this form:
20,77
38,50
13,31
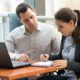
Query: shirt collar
25,32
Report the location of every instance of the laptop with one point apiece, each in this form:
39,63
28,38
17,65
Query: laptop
6,62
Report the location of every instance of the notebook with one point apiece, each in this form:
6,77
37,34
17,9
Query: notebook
6,62
43,64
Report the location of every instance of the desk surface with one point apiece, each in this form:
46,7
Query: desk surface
11,74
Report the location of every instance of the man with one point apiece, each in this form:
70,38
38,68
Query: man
29,40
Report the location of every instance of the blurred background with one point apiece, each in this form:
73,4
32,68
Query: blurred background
45,12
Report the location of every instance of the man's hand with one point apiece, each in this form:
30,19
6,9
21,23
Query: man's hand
22,57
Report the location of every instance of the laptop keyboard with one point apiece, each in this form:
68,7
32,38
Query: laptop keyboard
18,63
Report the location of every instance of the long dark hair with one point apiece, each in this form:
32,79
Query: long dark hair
65,15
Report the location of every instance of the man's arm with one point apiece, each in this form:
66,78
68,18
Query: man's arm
11,46
14,55
56,42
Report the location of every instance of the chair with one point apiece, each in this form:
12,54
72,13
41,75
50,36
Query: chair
13,21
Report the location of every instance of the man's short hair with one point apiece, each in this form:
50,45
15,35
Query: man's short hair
22,8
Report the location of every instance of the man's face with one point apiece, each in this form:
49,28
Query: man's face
29,19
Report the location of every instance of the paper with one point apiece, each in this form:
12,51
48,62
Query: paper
43,64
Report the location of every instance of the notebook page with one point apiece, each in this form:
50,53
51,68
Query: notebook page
43,64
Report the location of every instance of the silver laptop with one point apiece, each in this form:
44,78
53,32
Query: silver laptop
6,62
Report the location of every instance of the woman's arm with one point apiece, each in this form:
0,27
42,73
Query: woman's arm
54,57
75,66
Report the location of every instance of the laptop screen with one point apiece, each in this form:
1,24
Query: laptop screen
5,61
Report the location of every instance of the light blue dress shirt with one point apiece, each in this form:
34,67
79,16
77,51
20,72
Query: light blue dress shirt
68,53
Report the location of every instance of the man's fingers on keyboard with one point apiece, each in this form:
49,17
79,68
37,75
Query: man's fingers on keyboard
27,57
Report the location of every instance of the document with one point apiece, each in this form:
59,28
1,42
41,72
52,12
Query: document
43,64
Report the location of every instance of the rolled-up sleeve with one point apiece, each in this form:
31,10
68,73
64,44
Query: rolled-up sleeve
11,46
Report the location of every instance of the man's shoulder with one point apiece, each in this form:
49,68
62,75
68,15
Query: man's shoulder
16,32
18,29
46,25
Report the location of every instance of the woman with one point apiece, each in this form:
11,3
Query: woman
68,23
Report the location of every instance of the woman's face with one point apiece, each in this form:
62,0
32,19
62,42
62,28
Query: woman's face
66,28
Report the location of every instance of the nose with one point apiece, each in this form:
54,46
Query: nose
59,30
31,21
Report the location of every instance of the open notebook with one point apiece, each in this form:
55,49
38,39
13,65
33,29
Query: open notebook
43,64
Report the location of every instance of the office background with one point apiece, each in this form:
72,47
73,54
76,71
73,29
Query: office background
45,11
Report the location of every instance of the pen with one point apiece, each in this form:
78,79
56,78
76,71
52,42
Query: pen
43,53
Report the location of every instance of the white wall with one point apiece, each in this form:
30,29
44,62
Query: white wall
14,4
51,6
73,4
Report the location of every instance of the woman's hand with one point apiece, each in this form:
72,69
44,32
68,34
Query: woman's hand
60,64
44,57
